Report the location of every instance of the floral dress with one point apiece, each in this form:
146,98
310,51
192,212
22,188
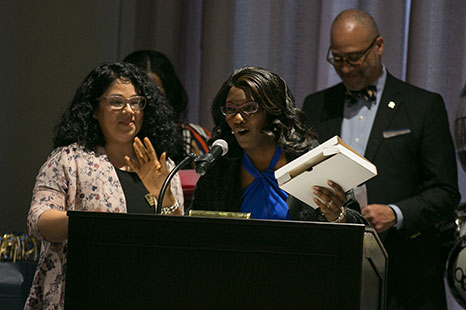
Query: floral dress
72,178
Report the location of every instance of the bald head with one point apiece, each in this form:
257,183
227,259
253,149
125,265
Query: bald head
350,19
354,35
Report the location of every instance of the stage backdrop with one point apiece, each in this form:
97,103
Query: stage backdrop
425,43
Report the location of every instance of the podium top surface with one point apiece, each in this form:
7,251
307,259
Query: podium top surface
297,236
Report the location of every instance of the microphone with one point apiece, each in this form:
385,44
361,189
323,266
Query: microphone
205,161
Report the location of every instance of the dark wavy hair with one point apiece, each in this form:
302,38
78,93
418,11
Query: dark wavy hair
78,125
285,123
159,64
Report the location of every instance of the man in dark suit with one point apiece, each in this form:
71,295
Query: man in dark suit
404,131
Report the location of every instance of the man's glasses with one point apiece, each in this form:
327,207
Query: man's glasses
245,109
352,58
118,102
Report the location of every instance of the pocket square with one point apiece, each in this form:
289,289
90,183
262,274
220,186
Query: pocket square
393,133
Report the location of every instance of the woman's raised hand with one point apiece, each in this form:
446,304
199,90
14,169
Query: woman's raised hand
151,170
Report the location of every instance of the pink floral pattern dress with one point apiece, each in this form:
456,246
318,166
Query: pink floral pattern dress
72,178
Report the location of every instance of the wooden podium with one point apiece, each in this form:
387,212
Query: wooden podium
132,261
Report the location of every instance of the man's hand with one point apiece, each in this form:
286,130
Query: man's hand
381,217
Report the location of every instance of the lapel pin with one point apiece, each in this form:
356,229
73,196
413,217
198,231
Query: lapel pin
391,105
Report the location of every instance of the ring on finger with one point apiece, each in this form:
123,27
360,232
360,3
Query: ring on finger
329,204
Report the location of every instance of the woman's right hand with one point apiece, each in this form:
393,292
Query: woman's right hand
151,170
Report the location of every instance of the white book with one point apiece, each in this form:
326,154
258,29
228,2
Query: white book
332,160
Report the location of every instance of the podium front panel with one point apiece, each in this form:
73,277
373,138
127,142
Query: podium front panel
129,261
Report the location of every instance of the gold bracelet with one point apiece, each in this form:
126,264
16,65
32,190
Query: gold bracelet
171,209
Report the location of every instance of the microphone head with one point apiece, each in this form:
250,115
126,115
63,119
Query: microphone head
205,161
223,144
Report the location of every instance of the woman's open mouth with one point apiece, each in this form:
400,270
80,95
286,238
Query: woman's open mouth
241,132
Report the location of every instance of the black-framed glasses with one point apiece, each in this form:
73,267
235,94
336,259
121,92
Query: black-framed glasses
245,109
118,102
351,58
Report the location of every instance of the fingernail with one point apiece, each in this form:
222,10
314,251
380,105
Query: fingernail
330,182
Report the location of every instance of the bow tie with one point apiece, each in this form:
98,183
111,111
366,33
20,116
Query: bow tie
368,94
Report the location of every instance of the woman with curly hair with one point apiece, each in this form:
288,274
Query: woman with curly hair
254,111
105,159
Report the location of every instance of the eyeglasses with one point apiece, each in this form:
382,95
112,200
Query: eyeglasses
245,109
118,102
352,58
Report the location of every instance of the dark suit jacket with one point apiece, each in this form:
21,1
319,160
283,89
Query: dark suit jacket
411,146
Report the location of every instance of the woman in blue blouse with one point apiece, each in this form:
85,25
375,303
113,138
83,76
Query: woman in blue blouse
254,111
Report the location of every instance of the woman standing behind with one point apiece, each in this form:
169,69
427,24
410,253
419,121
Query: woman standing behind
105,159
159,68
254,111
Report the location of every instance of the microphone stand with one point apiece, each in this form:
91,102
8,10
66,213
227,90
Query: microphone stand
187,160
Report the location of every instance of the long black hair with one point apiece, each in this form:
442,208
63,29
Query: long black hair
78,125
285,123
157,63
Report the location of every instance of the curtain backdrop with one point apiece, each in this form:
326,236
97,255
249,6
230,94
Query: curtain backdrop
425,43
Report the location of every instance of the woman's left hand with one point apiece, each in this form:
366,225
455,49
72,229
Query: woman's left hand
151,170
330,201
